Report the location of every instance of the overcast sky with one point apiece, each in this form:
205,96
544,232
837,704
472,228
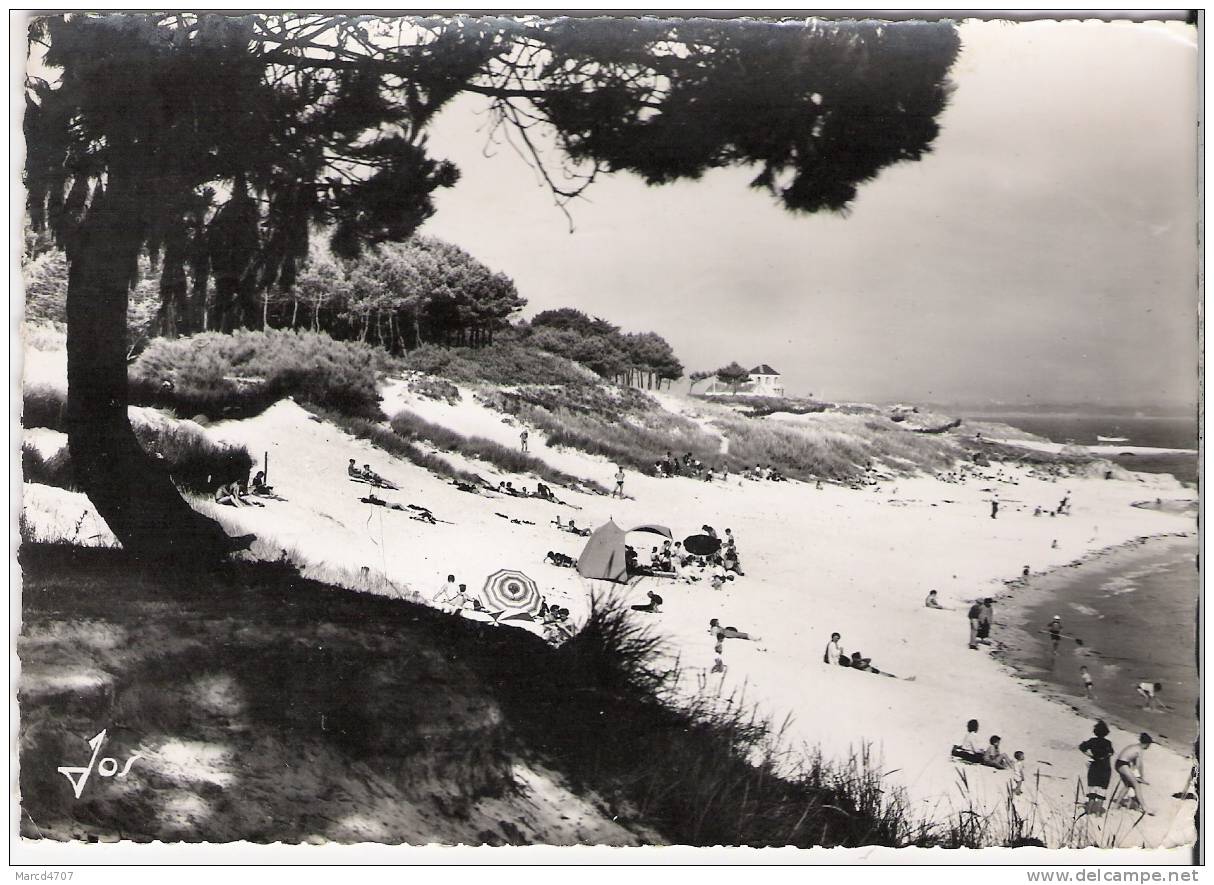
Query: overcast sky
1045,251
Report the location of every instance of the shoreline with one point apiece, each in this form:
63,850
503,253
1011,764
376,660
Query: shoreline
1021,597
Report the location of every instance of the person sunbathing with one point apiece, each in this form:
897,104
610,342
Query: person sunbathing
994,756
560,559
353,472
230,495
720,634
654,606
859,662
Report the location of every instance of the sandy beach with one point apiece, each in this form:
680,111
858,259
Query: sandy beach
816,561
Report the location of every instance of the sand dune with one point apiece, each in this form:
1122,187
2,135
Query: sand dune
816,561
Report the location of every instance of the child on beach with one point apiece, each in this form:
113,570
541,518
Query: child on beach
931,601
619,482
1055,631
1149,690
1087,682
1018,772
994,755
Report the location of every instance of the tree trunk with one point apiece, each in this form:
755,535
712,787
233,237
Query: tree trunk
133,493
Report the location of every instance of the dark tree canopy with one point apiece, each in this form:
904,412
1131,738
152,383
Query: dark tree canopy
219,142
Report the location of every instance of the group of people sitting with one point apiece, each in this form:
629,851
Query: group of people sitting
240,494
367,475
836,656
541,491
991,755
766,472
687,466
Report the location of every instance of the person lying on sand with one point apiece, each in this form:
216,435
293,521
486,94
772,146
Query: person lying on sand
654,605
465,486
994,756
1129,767
861,663
560,559
968,750
380,502
720,634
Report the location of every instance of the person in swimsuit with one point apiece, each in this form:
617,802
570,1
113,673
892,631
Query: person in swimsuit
1129,767
932,601
1099,750
1055,631
1149,690
619,482
994,755
1088,690
722,633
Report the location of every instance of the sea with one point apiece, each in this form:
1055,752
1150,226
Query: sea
1136,610
1164,432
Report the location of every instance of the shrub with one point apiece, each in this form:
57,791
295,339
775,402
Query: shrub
194,461
506,362
412,426
760,406
53,471
429,387
43,407
242,374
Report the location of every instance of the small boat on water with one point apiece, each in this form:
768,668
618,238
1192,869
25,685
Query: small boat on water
1113,439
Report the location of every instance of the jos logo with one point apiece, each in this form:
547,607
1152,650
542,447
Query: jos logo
108,767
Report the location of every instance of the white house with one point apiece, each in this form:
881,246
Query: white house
762,380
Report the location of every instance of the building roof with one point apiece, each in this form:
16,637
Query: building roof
764,369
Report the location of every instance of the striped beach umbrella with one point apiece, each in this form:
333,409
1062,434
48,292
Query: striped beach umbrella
509,590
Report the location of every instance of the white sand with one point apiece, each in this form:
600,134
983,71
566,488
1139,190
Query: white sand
816,561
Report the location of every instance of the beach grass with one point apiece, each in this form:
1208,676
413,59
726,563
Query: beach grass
411,427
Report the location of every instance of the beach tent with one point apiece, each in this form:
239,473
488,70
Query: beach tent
655,529
603,557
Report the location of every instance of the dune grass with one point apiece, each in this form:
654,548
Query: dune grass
394,444
622,425
411,426
302,676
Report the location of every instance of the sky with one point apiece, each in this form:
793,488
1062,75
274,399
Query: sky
1044,251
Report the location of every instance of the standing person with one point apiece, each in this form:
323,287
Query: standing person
975,615
1087,682
1099,750
619,482
1062,505
522,438
1055,631
1018,772
1149,690
985,616
994,506
1129,767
